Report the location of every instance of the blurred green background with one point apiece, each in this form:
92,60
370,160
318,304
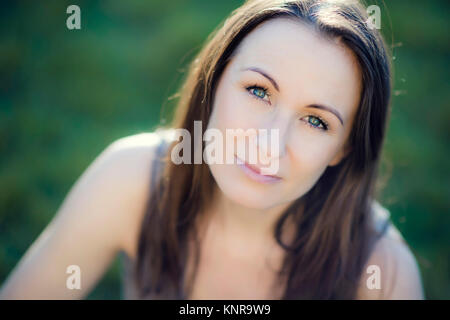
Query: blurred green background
66,94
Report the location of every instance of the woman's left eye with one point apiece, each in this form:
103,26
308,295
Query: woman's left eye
258,92
317,123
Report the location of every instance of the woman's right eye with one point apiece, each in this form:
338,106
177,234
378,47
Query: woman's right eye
258,92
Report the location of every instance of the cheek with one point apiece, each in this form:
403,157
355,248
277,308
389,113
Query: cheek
312,156
308,160
231,109
312,149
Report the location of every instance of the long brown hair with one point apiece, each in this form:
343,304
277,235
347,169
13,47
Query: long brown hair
334,234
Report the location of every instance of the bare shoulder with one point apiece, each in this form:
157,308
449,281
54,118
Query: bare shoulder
99,216
396,267
133,157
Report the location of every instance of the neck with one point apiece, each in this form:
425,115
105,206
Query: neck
254,225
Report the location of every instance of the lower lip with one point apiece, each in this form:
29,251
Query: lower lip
254,175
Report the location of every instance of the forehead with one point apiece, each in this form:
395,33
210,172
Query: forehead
307,67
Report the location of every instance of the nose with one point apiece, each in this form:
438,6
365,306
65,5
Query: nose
272,140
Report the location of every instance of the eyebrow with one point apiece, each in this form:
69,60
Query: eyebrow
258,70
275,84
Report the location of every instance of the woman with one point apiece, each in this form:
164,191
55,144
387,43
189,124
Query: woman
317,73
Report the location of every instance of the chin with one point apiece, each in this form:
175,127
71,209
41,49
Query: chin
239,189
249,199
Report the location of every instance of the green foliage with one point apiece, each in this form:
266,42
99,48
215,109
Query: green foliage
66,94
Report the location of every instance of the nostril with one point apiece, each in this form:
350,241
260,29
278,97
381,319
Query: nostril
269,145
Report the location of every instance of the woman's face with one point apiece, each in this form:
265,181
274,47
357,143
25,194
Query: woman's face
285,76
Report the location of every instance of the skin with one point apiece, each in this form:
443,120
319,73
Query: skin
101,214
308,69
98,218
238,246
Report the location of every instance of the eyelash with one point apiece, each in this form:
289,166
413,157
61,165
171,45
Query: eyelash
255,86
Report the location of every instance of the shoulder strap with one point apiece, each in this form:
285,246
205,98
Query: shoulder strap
381,218
158,160
385,226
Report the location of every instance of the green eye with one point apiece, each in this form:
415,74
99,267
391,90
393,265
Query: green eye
259,93
316,122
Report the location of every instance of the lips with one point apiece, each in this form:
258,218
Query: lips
258,170
254,172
